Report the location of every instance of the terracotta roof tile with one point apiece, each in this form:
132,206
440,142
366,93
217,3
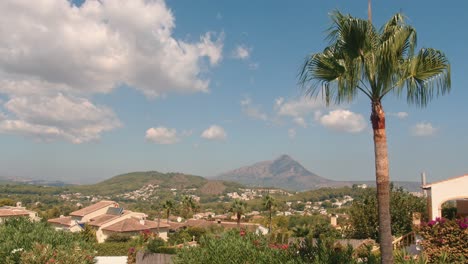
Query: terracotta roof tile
93,207
66,220
134,225
13,212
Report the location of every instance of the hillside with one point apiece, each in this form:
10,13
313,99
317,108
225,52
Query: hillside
166,181
283,172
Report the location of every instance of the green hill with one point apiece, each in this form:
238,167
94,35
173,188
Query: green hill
135,180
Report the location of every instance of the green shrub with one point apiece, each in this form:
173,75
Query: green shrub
46,254
19,235
113,248
167,250
445,239
154,244
235,247
119,238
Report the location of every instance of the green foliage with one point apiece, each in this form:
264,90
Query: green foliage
445,239
6,201
154,244
179,237
119,238
167,250
21,235
364,216
324,250
46,254
113,248
233,247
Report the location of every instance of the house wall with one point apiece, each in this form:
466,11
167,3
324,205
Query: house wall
102,235
441,192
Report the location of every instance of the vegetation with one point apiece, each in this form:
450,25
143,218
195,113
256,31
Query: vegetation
362,60
21,239
238,207
363,213
445,239
269,205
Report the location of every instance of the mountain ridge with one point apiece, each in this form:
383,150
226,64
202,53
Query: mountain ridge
282,172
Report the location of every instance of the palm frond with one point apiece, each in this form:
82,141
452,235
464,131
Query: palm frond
427,74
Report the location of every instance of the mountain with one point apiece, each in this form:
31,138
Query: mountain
283,172
134,181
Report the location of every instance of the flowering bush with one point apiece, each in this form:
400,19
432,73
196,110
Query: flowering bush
445,238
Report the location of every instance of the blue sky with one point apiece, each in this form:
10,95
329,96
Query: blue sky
91,90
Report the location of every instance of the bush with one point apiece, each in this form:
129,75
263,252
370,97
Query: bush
235,247
445,239
113,248
40,254
154,244
119,238
167,250
19,235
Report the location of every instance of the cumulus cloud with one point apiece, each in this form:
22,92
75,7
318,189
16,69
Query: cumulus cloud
298,110
59,117
162,135
53,49
423,129
399,115
214,132
241,52
251,110
343,120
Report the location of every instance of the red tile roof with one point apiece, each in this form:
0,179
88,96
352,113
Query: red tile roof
66,221
133,225
13,212
93,208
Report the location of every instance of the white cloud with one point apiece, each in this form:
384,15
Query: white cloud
292,133
241,52
100,45
162,135
214,132
58,117
343,120
423,129
53,48
251,110
399,115
298,110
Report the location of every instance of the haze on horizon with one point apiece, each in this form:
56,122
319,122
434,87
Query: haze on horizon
92,89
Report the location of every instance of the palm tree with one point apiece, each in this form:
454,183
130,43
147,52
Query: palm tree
269,204
361,59
238,207
188,205
168,206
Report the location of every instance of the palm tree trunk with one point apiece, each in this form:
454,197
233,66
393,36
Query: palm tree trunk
383,182
238,220
269,224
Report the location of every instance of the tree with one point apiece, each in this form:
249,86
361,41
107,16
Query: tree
188,205
269,205
168,206
363,60
238,207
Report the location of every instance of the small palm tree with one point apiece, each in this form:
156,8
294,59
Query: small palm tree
269,204
362,60
168,206
188,205
238,207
